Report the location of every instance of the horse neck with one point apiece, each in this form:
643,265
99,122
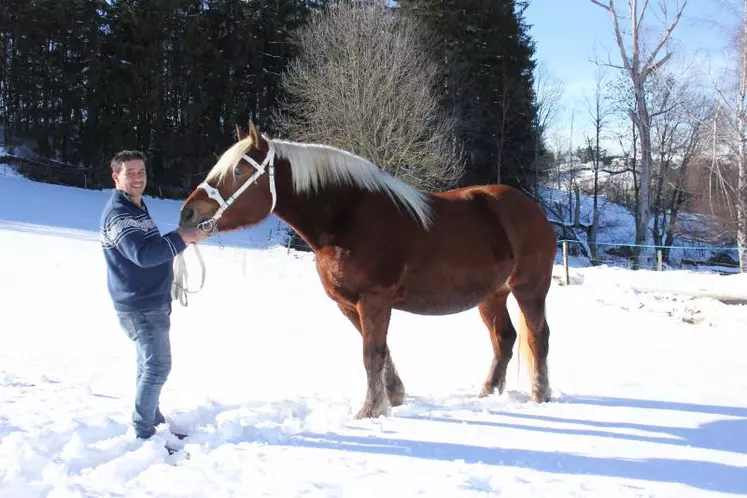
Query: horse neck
315,216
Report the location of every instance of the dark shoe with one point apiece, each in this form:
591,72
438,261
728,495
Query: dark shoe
144,436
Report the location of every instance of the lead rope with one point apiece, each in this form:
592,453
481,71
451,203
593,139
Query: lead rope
179,288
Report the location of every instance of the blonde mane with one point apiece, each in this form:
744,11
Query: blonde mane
315,166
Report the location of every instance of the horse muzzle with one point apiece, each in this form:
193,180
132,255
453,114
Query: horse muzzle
192,217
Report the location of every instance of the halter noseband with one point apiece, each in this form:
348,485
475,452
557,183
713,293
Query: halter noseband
212,192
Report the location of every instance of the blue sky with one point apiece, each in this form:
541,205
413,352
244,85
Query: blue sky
566,32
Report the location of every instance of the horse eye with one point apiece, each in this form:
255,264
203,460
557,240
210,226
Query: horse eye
237,171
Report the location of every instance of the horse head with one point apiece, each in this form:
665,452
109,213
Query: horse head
238,191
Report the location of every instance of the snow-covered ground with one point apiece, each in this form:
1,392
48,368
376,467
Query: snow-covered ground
650,389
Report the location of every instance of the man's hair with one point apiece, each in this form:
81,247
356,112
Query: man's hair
123,156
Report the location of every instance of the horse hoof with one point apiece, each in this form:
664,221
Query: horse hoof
364,414
541,396
368,412
397,399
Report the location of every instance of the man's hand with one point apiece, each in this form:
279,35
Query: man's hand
193,235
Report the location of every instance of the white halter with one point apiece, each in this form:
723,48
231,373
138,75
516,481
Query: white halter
212,192
179,289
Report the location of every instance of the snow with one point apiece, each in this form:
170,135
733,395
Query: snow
649,385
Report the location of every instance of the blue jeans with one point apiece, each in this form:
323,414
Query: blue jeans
149,329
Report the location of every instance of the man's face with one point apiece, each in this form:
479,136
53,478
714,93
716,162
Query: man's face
131,178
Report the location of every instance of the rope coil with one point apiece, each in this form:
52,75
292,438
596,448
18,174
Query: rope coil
179,288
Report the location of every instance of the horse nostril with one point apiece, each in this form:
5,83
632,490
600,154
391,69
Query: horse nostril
188,214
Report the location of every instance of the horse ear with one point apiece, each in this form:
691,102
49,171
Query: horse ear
239,134
256,140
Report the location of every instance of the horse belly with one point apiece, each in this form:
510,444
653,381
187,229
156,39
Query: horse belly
449,294
432,305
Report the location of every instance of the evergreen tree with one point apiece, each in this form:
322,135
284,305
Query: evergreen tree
82,79
487,80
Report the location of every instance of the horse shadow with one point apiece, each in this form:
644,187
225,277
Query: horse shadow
720,435
709,476
723,435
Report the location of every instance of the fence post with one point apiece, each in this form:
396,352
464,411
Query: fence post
659,260
565,261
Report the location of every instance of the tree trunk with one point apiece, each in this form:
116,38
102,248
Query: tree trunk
644,211
741,161
675,210
660,210
742,198
634,172
594,232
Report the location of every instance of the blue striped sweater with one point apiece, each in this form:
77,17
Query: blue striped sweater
138,258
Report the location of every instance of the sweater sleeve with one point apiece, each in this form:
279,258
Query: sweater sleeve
144,246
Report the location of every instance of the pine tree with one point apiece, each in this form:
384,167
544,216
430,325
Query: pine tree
82,79
487,80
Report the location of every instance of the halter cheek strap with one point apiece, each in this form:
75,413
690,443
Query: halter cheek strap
267,166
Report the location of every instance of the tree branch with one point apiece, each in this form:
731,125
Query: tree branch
611,9
664,37
660,63
643,11
617,172
663,111
613,66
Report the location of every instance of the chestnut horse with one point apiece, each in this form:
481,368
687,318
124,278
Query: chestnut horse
381,244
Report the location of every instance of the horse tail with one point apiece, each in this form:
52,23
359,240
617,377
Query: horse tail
525,352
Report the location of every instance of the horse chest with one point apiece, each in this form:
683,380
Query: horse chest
332,275
346,278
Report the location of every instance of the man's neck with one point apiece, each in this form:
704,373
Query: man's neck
137,200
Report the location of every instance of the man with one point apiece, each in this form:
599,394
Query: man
140,275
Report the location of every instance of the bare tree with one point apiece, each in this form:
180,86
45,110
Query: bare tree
679,130
735,121
599,111
639,68
572,185
557,143
622,185
666,130
548,96
729,130
363,82
701,110
741,138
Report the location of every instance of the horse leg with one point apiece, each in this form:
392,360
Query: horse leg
374,316
394,386
494,313
395,389
534,341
